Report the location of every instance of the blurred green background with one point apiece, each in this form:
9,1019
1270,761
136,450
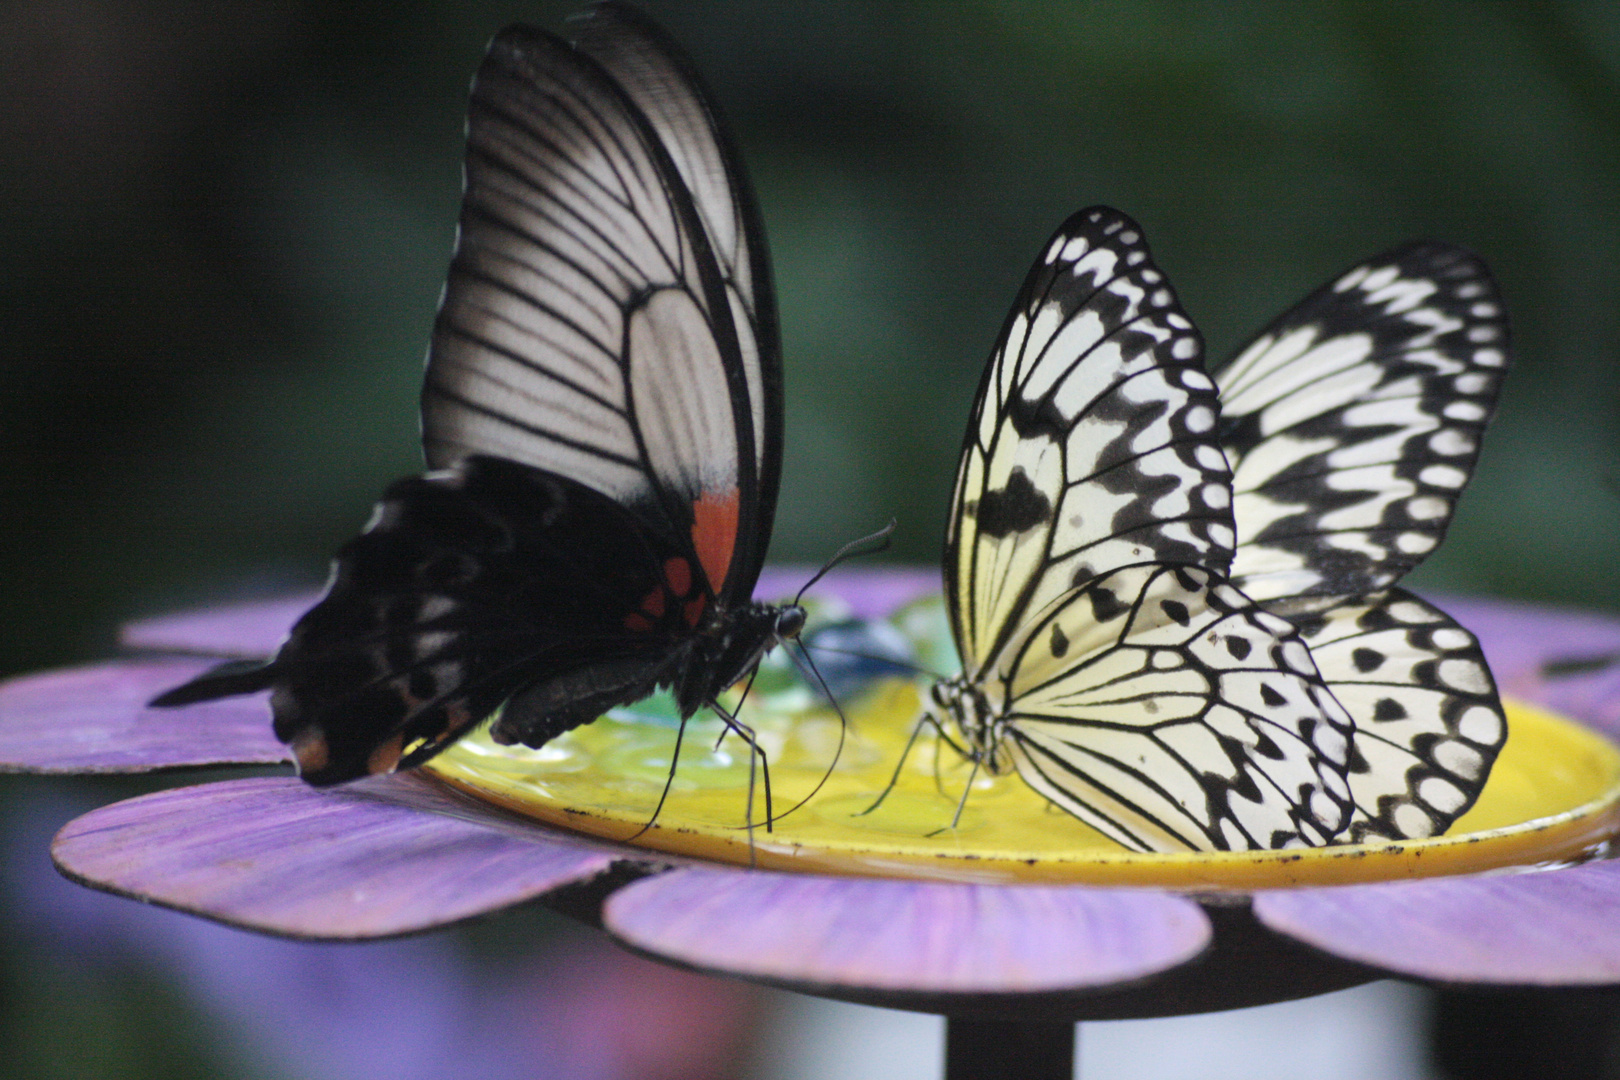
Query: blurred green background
223,230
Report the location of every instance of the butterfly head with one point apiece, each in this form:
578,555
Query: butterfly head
789,621
728,648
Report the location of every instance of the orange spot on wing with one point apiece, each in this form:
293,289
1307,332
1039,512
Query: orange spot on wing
637,622
678,572
311,751
386,756
653,603
694,610
714,533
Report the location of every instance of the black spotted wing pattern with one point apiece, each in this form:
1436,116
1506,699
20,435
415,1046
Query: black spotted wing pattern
1353,422
1428,722
1092,439
1105,657
1169,712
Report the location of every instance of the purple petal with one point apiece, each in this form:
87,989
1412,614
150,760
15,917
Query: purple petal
1520,640
247,630
95,720
385,856
895,935
570,1007
871,591
1549,928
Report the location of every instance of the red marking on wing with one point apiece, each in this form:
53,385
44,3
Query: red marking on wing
714,533
694,610
637,622
653,603
678,572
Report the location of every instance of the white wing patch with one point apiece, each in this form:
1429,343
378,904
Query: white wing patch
687,429
575,237
1353,422
1428,721
629,46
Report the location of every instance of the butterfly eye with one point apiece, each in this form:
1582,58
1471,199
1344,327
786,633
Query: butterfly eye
789,621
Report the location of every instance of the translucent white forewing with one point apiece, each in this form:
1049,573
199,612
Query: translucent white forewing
1169,712
1353,422
1428,721
1091,444
659,82
587,327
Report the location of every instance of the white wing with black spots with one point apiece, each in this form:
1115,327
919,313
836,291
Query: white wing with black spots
1106,658
1353,422
1428,721
1169,712
1092,444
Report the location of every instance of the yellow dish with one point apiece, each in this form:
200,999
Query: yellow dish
1554,795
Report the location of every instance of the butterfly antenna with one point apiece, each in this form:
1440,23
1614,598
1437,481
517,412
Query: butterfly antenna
866,545
843,730
674,759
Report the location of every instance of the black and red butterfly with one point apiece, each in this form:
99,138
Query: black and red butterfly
603,414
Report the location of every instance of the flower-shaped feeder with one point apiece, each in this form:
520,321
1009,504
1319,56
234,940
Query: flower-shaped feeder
1014,924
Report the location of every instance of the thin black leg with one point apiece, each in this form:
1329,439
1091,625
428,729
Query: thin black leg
1008,1050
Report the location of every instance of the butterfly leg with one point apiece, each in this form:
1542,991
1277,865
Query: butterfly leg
961,804
674,760
926,720
755,751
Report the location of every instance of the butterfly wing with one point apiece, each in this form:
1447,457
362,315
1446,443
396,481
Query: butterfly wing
470,585
1168,711
1354,421
665,86
1428,720
589,326
1091,444
1085,566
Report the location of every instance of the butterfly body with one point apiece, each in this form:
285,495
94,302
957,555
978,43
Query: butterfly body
602,413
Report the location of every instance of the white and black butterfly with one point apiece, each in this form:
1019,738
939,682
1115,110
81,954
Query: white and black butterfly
603,412
1106,656
1352,424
